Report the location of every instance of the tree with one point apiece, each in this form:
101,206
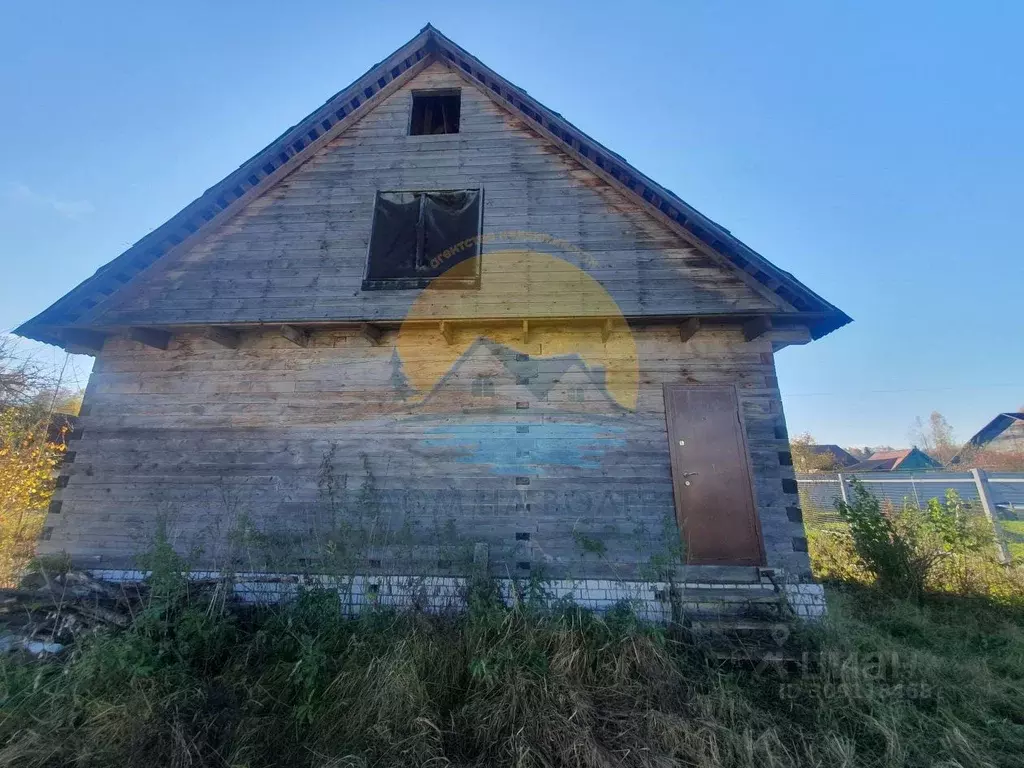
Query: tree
934,438
20,377
805,459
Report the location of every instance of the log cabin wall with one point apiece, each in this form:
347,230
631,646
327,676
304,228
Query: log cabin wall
274,455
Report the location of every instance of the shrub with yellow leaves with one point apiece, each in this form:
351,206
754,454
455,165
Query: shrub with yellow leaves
27,463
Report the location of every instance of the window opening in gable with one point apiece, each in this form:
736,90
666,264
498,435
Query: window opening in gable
417,238
435,112
483,386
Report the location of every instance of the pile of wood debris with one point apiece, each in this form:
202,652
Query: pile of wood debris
48,611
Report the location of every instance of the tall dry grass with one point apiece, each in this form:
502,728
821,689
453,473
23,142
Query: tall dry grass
884,682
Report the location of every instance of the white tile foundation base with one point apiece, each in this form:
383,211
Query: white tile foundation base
650,600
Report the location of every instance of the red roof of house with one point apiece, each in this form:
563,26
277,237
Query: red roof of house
879,455
888,461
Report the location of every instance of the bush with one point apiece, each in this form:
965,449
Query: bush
891,546
945,547
892,684
27,462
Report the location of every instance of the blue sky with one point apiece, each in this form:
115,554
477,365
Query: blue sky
874,149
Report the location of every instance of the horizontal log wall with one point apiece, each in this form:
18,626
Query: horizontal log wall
278,455
299,252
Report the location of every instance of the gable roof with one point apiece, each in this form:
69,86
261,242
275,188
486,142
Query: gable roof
988,433
301,141
891,461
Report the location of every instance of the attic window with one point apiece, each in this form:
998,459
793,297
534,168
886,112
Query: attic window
483,386
419,238
435,112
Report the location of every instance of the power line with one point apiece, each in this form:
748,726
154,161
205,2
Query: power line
1018,384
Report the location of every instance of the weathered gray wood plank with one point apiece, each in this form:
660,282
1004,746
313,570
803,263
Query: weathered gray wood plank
298,252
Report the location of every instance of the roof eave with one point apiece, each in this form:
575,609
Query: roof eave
207,210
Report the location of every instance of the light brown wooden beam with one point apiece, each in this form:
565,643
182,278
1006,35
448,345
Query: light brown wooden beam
83,342
446,331
371,333
781,320
789,335
298,336
756,327
223,336
151,337
688,328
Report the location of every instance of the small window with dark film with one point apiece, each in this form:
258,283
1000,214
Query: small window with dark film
435,112
418,238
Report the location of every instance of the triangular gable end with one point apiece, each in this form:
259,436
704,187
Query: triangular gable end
301,142
297,253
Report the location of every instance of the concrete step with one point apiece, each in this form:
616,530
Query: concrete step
756,656
738,595
703,574
730,625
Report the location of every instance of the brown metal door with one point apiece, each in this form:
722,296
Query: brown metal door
711,475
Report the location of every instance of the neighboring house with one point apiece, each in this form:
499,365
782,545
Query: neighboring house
436,306
842,458
1003,435
896,461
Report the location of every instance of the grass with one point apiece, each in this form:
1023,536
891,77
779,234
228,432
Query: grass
1015,538
884,683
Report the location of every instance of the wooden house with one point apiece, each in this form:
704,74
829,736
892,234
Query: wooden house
292,346
1000,443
